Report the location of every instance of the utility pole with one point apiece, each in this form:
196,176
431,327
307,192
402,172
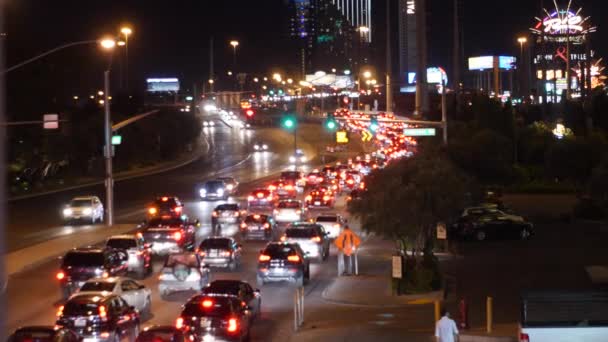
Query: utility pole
444,113
3,276
456,57
421,60
389,68
109,181
211,73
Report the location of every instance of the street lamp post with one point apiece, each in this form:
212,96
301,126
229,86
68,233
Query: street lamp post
522,41
108,45
234,44
127,31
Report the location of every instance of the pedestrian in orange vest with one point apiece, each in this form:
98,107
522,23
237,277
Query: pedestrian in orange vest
347,243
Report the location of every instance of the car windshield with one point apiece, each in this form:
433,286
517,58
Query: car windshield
172,222
121,243
188,259
256,219
80,203
279,250
81,259
226,180
289,205
166,204
327,219
80,308
300,232
232,207
223,287
33,336
214,185
98,286
215,244
207,307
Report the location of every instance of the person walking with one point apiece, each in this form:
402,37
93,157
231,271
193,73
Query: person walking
445,328
347,243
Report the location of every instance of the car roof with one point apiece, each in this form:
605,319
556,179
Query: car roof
41,328
218,238
108,280
162,328
97,297
124,236
83,198
88,249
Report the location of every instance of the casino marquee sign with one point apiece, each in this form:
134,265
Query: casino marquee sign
561,25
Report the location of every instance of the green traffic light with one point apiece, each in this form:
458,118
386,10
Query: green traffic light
289,123
331,125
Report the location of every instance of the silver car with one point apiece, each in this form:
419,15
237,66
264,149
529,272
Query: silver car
86,208
183,272
311,237
132,292
332,223
289,211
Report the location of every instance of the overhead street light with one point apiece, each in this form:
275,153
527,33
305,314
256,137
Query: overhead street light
126,31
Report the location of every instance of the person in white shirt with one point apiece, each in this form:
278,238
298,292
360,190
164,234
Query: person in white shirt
445,328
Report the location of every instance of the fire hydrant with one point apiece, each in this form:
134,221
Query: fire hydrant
463,309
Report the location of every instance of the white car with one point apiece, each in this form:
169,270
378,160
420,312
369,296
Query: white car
88,208
332,223
298,157
289,211
132,292
260,147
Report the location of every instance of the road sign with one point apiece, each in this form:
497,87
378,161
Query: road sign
366,136
397,267
116,139
50,121
442,232
342,137
419,132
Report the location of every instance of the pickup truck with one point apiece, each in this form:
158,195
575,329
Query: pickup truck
564,316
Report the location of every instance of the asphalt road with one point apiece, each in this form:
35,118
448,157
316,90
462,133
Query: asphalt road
38,219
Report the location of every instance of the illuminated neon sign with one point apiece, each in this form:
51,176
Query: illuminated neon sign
560,22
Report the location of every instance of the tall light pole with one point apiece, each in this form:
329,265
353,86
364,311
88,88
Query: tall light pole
234,44
522,41
126,31
108,45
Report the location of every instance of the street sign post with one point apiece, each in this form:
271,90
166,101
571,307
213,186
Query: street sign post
419,132
397,267
116,139
50,121
342,137
442,233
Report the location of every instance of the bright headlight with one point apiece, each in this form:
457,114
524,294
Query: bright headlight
292,159
220,192
229,186
67,212
87,211
265,147
303,159
202,192
256,147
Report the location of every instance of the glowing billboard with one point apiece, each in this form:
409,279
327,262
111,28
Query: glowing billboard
487,63
162,85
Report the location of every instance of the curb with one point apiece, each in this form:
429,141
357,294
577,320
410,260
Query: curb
116,179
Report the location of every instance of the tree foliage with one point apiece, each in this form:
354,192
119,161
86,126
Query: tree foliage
409,197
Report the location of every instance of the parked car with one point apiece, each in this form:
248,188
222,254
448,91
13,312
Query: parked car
183,272
84,208
494,225
139,252
98,317
238,289
215,319
135,294
281,261
220,252
82,264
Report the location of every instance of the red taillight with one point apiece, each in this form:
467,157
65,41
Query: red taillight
316,239
326,198
320,179
283,238
165,199
179,323
266,225
298,212
249,112
103,314
289,187
272,188
524,337
207,303
269,198
308,198
293,258
250,198
152,211
202,254
236,214
243,225
60,275
60,311
232,325
350,181
178,209
214,213
225,253
177,236
264,257
260,194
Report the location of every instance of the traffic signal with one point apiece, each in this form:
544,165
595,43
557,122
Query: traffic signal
330,122
373,124
249,113
289,122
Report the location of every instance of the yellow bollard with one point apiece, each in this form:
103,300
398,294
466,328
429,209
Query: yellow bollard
437,311
489,315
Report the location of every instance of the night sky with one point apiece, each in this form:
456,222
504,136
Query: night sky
171,38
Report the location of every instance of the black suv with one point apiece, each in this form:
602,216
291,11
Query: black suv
82,264
171,235
100,318
281,261
166,207
238,289
258,226
215,318
43,334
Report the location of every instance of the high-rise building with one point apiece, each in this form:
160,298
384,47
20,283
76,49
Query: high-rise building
358,13
408,47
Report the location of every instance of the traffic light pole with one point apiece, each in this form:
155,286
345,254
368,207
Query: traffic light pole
109,181
295,141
